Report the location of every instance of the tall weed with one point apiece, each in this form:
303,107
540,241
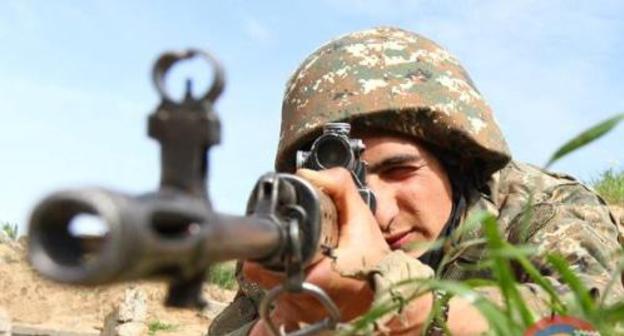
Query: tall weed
610,185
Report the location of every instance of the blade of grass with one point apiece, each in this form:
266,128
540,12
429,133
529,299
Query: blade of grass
503,273
615,278
557,305
472,222
613,314
456,251
508,251
478,282
585,138
498,322
576,286
376,312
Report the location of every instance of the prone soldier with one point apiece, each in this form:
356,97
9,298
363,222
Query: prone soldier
435,156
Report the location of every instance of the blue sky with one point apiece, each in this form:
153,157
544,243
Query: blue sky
75,88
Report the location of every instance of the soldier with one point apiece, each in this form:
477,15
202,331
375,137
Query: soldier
435,156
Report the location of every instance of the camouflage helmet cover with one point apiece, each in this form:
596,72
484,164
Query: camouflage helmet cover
390,79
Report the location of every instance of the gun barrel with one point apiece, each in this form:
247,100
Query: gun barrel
174,235
163,234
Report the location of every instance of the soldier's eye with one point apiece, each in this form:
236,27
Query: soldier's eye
398,172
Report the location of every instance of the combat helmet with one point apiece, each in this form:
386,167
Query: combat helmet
390,79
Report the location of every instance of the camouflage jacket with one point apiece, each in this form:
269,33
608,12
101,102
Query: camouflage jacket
566,218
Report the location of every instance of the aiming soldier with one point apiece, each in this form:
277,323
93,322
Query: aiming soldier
435,156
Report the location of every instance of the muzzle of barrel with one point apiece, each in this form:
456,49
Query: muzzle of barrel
58,254
151,235
166,234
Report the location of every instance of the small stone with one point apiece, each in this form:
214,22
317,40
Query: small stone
134,306
128,319
131,329
5,323
110,322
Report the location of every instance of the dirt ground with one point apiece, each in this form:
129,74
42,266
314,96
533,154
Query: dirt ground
33,301
36,302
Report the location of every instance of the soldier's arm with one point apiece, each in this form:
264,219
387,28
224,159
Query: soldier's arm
577,225
574,223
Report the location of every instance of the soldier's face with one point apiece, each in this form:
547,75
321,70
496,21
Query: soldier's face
414,195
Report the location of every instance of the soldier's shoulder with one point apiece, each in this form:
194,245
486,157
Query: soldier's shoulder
544,185
521,172
551,196
519,186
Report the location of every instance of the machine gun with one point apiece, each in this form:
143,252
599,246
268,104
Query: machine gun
174,233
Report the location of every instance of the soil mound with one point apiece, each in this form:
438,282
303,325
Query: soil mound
39,305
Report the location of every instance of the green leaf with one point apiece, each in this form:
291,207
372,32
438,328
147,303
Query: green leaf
10,230
368,319
478,282
499,323
473,222
557,306
585,137
615,278
610,185
155,327
222,275
576,286
456,251
614,313
504,274
509,251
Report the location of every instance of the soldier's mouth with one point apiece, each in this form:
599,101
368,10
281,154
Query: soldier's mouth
396,241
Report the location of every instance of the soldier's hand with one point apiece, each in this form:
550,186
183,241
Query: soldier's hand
361,245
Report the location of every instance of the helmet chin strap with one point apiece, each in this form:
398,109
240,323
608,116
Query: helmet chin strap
433,257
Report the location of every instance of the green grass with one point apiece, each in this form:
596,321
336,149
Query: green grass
610,185
157,326
586,137
514,317
223,275
9,229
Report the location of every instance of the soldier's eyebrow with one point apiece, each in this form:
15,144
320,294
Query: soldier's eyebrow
395,160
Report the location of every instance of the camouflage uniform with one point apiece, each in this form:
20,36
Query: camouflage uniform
393,80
